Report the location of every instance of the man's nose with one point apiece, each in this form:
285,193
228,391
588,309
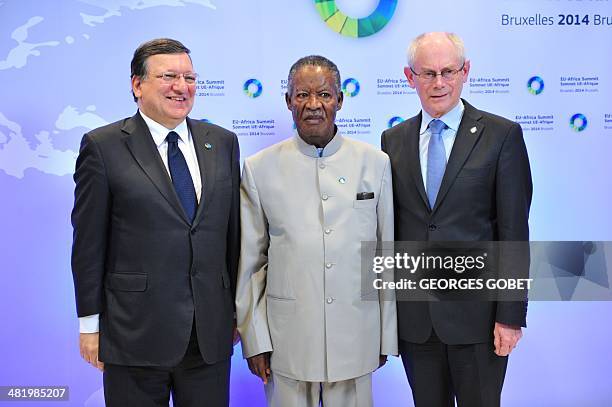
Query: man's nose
180,84
313,102
439,81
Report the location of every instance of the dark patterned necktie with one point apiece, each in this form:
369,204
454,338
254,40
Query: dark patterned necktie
181,178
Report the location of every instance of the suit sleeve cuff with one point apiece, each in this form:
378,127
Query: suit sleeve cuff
89,324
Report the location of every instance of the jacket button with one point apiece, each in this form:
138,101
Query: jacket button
432,227
325,197
329,265
322,166
329,300
328,231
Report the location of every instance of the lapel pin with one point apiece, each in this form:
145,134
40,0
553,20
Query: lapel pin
473,130
342,180
208,146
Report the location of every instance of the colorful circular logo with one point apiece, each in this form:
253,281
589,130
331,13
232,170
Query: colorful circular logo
252,88
356,27
350,87
578,122
535,85
393,121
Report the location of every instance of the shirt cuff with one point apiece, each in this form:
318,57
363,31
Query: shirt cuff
89,324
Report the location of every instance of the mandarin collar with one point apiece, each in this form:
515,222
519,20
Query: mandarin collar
311,151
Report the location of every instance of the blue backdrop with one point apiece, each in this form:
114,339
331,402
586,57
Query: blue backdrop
64,69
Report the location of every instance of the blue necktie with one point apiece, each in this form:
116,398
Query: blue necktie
181,178
436,160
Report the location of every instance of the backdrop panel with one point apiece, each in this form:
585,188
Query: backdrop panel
64,69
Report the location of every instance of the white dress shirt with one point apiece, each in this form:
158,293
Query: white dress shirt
185,144
91,323
452,120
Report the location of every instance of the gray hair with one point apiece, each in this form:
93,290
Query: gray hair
313,60
454,38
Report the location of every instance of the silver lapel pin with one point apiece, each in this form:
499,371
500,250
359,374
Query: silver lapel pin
208,146
342,180
473,130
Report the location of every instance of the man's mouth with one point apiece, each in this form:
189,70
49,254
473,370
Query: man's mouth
176,98
313,119
438,96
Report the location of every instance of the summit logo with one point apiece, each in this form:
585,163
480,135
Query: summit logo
356,27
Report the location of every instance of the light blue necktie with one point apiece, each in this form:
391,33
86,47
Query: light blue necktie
181,178
436,160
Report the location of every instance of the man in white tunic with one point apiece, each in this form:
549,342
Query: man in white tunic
307,203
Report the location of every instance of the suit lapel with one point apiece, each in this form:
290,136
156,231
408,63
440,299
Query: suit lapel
414,157
468,134
139,141
205,148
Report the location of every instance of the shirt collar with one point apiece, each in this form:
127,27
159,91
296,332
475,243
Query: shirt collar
160,132
311,151
452,119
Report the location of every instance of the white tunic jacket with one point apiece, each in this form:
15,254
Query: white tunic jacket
299,291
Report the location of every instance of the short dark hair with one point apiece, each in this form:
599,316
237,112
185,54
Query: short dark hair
150,48
313,60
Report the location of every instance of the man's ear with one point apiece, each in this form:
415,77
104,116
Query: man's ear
340,100
466,70
288,100
136,86
409,76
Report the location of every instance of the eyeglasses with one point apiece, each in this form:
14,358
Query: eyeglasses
446,74
171,77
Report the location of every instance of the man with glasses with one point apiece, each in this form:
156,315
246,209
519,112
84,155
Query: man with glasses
156,242
459,174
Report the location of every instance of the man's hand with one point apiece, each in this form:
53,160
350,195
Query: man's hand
382,359
505,338
88,345
236,335
260,366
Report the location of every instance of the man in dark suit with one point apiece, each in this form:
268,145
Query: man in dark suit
459,174
156,241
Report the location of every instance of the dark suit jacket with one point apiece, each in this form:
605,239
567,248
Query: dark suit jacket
485,195
136,258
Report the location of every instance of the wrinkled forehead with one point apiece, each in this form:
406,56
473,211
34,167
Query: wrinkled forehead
313,76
